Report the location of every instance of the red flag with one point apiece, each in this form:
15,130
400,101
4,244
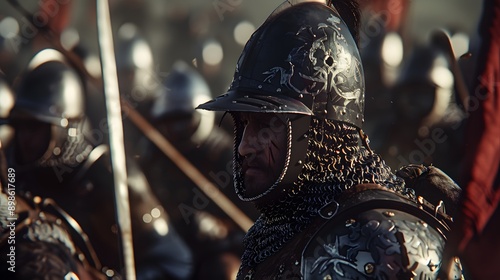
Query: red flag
470,238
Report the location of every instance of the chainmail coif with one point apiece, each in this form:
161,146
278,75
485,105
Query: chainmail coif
334,163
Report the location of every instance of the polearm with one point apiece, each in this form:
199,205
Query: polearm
117,149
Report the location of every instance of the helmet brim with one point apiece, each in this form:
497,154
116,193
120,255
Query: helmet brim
242,101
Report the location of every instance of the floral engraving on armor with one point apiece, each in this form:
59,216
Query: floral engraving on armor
381,249
331,66
43,231
363,245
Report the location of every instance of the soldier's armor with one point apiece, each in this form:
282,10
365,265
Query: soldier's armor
87,193
303,65
48,243
377,234
368,232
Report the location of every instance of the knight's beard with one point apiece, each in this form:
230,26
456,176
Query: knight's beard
253,184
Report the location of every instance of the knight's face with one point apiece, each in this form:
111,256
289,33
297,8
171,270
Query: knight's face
263,150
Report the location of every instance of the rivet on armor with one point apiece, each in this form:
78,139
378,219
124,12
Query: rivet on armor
389,214
81,257
369,268
420,200
349,222
234,101
58,221
278,90
110,273
246,96
264,107
259,86
296,262
301,96
37,199
327,277
71,276
299,162
423,223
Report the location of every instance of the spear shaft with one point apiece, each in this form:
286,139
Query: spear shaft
117,149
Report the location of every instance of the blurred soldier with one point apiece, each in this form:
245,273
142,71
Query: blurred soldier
382,50
138,81
205,227
429,127
54,156
330,207
38,240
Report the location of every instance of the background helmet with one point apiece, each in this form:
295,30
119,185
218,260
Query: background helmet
425,90
137,77
183,89
6,104
302,62
52,92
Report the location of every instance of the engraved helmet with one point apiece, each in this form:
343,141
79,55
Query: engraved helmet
302,63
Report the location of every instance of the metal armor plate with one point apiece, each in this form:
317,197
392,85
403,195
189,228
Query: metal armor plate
376,243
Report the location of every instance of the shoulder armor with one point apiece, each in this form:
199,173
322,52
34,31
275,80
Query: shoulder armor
47,240
376,234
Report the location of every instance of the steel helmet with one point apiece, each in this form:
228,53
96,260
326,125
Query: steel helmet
6,104
137,77
302,61
51,91
183,89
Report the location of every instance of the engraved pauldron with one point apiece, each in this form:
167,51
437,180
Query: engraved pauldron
378,238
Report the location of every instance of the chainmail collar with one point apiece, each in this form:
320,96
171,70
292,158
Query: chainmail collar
327,172
71,147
